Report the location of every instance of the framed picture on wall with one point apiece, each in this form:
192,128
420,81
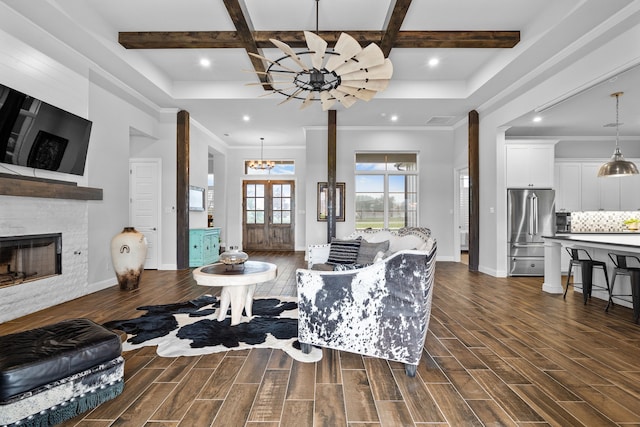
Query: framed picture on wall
323,196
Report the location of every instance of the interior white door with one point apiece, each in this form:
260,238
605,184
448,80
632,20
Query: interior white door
144,204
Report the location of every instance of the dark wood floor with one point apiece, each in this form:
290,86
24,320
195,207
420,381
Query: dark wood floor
499,352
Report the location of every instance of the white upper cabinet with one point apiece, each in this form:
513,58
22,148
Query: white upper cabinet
568,186
530,165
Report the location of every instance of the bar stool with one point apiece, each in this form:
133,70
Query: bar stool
582,259
628,265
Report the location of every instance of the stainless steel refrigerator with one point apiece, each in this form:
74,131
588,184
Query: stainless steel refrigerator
530,215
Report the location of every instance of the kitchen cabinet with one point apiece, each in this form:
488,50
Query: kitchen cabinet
204,246
630,192
568,186
530,165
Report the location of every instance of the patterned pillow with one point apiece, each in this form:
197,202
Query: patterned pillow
343,251
368,251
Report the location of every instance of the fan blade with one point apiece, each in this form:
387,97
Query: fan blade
280,91
287,50
318,46
272,62
379,72
346,48
307,101
343,98
371,56
364,94
376,84
326,101
266,72
290,97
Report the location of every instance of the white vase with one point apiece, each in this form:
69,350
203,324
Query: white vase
128,252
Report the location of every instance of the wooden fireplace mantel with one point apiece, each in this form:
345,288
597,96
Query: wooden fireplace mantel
27,186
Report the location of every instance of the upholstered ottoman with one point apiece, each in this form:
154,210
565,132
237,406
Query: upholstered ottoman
53,373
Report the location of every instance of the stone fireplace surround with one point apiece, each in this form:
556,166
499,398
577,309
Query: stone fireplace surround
29,215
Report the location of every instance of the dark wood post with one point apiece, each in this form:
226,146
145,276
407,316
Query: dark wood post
331,176
182,190
474,191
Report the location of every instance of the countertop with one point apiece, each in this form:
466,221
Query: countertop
629,239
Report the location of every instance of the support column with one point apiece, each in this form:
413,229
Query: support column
552,268
474,190
331,175
182,190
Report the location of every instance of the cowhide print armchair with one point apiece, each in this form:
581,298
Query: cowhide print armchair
381,310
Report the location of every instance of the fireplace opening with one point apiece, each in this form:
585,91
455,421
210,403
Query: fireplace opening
31,257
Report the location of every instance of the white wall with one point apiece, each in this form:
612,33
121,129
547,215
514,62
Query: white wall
602,61
435,186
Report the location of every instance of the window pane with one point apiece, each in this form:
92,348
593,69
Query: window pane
251,204
286,217
277,204
277,190
286,204
386,161
286,190
259,217
260,190
260,204
251,190
277,217
251,217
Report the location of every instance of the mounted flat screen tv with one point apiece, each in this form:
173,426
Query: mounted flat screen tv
38,135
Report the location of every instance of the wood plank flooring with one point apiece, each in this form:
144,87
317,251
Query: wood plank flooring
500,352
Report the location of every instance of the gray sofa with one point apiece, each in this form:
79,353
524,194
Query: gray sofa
380,310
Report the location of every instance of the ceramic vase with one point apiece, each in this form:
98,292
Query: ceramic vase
128,252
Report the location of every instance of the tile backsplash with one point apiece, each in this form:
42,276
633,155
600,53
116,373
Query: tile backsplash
601,221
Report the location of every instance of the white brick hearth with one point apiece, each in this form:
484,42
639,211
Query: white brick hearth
26,215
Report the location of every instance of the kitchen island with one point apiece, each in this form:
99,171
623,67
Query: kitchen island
599,245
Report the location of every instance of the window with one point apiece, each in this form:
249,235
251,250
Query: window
386,190
282,167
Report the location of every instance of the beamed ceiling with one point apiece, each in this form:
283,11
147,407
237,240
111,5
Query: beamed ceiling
490,51
252,41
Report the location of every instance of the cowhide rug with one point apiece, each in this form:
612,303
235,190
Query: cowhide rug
190,328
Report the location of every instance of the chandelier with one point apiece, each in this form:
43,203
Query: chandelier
617,166
345,74
262,165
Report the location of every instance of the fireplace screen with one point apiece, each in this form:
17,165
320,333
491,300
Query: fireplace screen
32,257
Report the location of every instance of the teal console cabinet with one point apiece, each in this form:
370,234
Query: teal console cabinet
204,246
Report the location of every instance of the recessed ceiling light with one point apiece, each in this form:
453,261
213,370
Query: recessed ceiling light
246,118
433,62
394,118
204,62
537,119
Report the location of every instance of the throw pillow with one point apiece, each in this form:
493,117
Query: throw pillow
368,251
343,251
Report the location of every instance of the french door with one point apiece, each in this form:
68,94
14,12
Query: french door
268,215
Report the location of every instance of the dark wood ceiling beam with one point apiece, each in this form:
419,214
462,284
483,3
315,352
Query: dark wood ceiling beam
457,39
244,29
295,39
393,24
181,40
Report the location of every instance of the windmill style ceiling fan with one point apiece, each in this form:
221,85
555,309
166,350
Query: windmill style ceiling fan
345,73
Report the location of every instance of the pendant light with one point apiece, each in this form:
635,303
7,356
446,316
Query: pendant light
262,164
617,166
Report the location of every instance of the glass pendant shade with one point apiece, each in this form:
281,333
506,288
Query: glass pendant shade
617,166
